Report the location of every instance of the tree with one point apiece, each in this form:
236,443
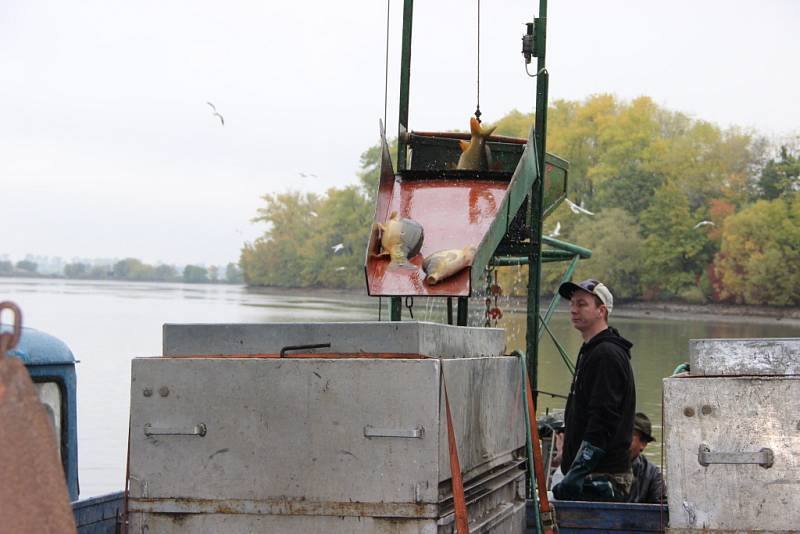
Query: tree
194,274
759,260
233,274
675,252
6,267
76,270
616,243
101,272
27,266
370,163
781,176
165,273
213,273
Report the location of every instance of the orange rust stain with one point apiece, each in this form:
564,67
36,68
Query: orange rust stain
453,214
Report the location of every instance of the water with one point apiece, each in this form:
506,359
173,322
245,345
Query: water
106,324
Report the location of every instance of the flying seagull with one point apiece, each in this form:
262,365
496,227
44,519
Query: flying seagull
307,175
337,247
216,113
577,209
703,223
313,213
340,268
556,230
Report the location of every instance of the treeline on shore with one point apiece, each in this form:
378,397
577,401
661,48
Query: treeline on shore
129,269
678,208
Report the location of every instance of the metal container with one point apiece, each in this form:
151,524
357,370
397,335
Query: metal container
732,442
738,357
328,444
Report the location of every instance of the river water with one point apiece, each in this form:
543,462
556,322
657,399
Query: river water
106,324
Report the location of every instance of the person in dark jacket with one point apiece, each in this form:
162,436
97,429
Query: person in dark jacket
602,400
648,484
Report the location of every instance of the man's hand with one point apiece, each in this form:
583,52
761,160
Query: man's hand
587,458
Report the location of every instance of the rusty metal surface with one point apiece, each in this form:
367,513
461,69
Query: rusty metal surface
454,214
33,493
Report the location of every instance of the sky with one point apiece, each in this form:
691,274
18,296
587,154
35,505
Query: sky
108,148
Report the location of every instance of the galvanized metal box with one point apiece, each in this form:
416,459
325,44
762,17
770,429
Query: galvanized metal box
733,442
739,357
238,444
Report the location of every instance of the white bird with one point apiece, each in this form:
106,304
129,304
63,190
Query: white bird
307,175
337,247
577,209
313,213
216,113
556,230
703,223
340,268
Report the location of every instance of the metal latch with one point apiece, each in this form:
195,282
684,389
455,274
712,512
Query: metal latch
373,432
765,457
196,430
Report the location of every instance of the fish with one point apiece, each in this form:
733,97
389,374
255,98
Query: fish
475,154
400,239
446,263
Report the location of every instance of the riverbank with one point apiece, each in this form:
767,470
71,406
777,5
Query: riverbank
667,310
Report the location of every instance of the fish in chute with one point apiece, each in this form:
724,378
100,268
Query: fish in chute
400,239
445,263
475,154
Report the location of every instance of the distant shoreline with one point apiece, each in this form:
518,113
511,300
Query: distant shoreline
666,310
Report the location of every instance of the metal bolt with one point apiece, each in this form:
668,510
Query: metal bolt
688,411
147,392
163,391
706,409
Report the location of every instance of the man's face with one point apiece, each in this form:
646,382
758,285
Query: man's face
638,444
584,311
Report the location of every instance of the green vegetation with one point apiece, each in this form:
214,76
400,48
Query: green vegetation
683,209
129,269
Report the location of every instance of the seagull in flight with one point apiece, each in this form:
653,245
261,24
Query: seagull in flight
307,175
577,209
340,268
703,223
216,113
337,247
313,213
556,230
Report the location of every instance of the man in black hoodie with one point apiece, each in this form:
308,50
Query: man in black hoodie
601,405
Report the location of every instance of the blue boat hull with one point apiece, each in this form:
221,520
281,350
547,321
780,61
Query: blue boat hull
575,517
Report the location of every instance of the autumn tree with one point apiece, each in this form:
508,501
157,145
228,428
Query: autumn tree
675,251
780,176
759,259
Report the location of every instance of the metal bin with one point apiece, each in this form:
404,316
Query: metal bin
222,441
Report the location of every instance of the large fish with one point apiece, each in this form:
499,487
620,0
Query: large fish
475,154
401,239
446,263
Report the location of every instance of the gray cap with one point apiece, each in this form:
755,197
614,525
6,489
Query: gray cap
590,286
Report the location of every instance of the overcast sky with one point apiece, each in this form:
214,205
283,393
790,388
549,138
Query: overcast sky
108,149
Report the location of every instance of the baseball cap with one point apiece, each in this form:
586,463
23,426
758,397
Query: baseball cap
642,423
590,286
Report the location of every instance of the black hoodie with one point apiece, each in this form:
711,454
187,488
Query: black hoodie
602,402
